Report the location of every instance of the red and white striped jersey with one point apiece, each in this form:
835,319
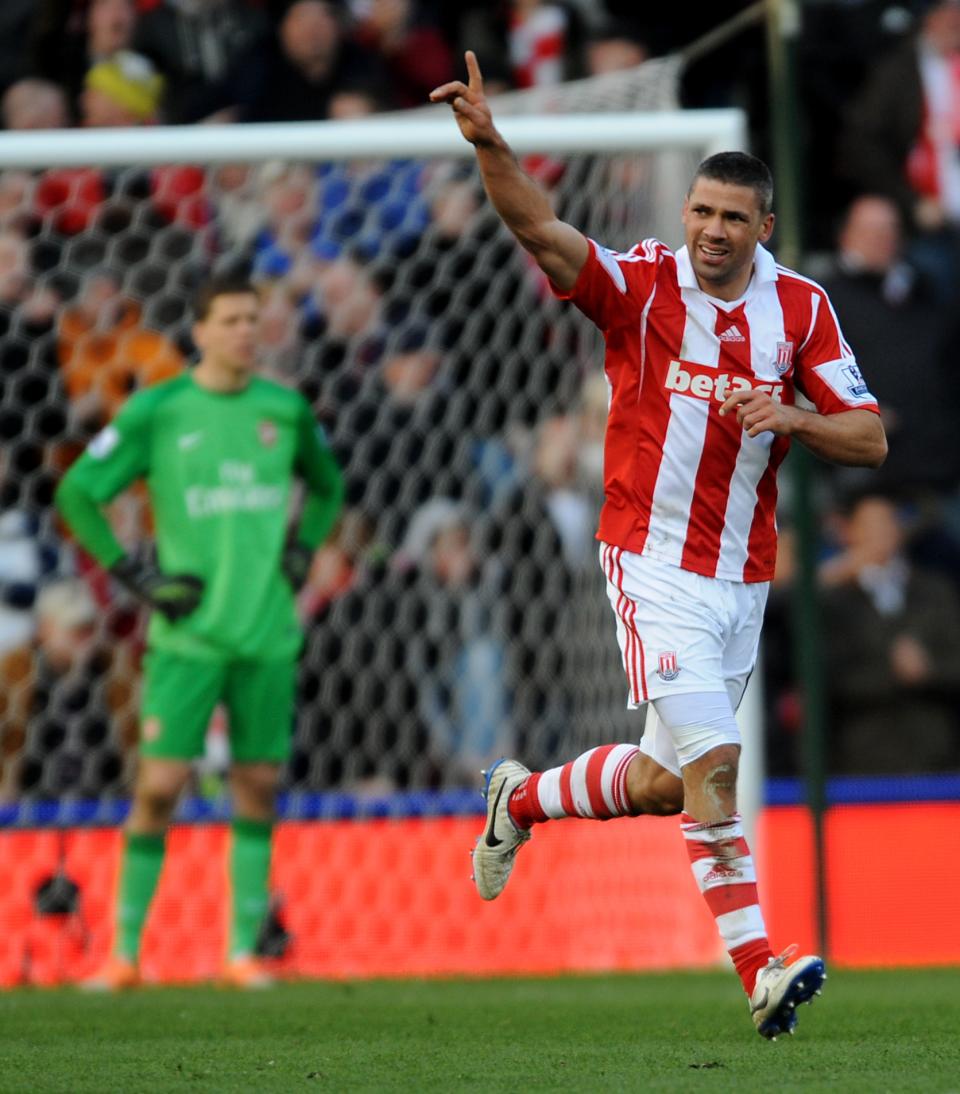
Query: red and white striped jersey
681,483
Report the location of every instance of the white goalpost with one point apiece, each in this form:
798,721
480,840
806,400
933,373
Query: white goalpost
384,136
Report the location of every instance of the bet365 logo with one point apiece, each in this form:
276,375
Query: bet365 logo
702,382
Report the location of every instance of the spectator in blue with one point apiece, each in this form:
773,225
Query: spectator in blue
368,209
375,208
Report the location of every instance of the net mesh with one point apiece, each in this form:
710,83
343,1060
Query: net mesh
458,612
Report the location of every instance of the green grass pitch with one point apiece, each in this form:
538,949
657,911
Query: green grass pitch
872,1032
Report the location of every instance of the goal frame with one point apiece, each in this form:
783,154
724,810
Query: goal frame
425,133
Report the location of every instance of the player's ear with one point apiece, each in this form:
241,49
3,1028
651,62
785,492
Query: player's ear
766,231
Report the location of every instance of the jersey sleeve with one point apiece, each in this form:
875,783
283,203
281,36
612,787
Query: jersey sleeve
613,287
116,457
323,480
827,371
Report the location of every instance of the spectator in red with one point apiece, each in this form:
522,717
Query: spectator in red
902,140
538,41
415,53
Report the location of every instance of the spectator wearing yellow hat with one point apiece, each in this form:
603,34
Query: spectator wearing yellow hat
124,89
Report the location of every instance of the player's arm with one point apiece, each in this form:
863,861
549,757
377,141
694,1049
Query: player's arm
845,427
558,248
115,458
854,438
324,499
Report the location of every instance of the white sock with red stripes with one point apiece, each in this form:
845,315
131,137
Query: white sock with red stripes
593,785
723,867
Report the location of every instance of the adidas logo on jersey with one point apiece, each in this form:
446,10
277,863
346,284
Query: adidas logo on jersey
701,382
731,334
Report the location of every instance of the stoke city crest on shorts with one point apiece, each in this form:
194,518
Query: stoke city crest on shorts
667,667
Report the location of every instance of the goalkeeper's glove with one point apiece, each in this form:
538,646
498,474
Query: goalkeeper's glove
173,595
297,560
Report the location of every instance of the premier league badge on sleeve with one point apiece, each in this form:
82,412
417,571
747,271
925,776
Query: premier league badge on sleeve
855,382
267,432
667,667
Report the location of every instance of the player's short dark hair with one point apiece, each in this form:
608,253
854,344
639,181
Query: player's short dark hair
229,284
739,169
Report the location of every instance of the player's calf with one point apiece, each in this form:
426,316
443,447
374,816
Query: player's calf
593,786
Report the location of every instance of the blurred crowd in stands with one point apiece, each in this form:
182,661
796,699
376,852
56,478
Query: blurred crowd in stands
446,615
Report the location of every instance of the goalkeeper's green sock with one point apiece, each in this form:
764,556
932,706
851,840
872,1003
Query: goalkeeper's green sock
249,873
142,863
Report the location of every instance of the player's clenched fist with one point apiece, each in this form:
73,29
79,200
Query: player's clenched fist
758,413
469,104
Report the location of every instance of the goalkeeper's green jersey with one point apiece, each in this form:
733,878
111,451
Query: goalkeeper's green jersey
219,468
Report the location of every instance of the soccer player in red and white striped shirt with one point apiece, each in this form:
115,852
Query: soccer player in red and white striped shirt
706,349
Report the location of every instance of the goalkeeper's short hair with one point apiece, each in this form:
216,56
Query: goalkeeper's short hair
225,284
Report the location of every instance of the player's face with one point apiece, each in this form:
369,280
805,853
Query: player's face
723,225
227,337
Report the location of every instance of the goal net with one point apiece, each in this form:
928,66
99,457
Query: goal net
458,612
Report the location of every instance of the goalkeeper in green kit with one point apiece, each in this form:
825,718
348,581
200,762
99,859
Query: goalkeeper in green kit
220,450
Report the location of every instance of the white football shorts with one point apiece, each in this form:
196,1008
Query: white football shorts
681,633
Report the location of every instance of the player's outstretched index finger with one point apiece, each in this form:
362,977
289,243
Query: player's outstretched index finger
474,76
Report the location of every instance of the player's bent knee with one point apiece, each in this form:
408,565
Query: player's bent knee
652,789
653,804
657,796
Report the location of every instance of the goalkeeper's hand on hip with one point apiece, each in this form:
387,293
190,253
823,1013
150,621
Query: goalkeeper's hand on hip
296,563
173,595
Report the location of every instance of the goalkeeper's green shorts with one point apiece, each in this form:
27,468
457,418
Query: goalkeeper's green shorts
181,693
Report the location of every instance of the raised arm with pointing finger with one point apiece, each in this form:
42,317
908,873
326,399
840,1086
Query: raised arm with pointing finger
559,249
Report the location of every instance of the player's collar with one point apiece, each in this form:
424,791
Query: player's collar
764,267
764,264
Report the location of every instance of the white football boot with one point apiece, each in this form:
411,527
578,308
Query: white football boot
496,849
781,988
